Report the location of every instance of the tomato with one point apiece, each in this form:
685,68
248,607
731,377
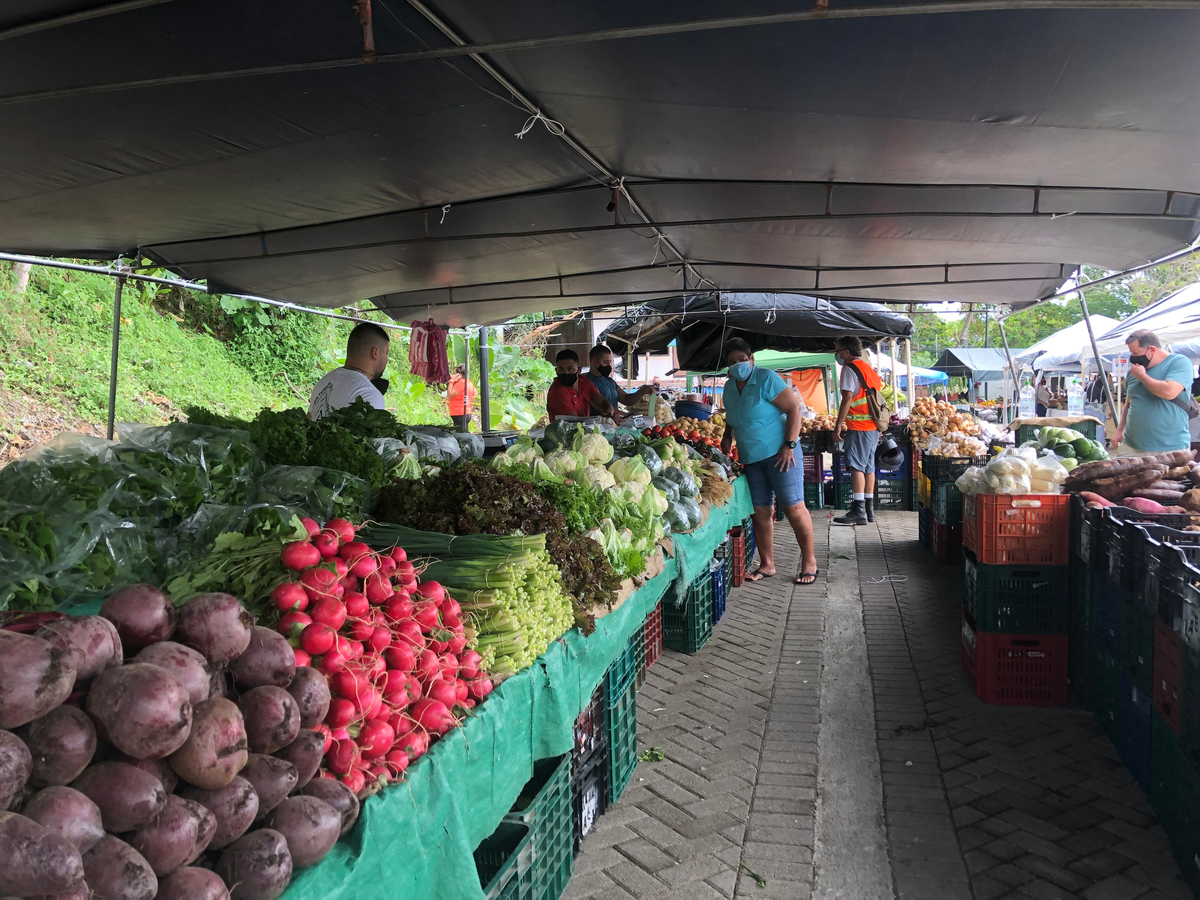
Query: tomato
647,432
693,435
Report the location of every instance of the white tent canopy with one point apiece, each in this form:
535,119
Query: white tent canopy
1175,319
1065,349
921,376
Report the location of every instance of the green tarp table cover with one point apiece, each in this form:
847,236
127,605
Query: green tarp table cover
414,841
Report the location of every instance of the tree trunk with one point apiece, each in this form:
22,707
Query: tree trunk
965,334
21,270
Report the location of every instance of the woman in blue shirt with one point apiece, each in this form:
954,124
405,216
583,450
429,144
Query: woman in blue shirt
763,414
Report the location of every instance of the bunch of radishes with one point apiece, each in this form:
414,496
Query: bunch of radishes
393,649
161,752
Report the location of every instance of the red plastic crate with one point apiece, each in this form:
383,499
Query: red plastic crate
945,542
653,635
1015,669
738,549
1167,674
1022,529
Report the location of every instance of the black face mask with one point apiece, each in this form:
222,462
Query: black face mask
604,370
568,380
1142,360
381,384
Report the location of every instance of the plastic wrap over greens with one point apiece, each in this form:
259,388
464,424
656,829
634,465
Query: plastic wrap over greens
666,486
682,480
564,435
428,442
470,445
652,460
323,493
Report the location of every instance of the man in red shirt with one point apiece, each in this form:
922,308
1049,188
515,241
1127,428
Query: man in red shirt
571,395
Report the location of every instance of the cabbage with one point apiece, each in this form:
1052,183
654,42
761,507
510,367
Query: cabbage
598,477
566,462
408,468
524,450
630,468
543,472
650,458
597,449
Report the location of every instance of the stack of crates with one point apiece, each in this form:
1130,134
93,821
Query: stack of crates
812,446
1015,600
505,863
546,809
620,701
893,490
945,504
716,570
688,627
589,767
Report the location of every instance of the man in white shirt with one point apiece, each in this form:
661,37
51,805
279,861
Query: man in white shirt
366,361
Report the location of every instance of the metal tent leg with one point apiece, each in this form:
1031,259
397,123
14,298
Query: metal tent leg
485,391
116,347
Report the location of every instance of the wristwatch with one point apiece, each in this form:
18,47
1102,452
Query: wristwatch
791,444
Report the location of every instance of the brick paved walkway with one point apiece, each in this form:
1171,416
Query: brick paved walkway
977,801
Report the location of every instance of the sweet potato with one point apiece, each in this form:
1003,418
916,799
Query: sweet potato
1089,497
310,690
337,795
92,643
1191,500
215,750
16,765
187,665
36,860
68,813
35,677
176,836
273,779
258,866
140,709
309,825
191,883
128,798
272,718
62,744
1159,495
1144,505
235,807
268,660
115,871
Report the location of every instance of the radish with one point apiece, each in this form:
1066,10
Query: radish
142,613
395,680
415,744
341,713
310,690
310,526
299,555
380,639
350,683
332,661
398,607
375,739
343,571
444,692
479,687
319,583
327,544
369,703
377,588
302,658
142,710
397,762
427,666
291,624
349,584
318,638
355,780
329,611
409,632
324,730
405,571
431,591
337,734
398,555
289,596
450,607
374,665
448,666
469,663
352,551
433,716
343,757
361,630
460,689
357,604
387,567
426,615
457,644
403,726
467,703
364,567
401,656
343,529
356,649
217,625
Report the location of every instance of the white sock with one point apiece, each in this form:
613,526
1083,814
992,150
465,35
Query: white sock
860,496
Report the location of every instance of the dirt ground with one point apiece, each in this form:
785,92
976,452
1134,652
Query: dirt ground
26,422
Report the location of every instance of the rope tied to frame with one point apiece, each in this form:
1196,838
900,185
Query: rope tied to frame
555,128
445,209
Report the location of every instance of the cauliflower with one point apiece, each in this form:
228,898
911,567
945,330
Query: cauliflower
598,477
566,462
658,498
597,449
630,468
524,450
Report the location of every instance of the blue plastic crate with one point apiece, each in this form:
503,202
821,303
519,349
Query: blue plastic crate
719,589
1133,732
842,474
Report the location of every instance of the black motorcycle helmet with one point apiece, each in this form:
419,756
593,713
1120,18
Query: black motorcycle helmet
889,457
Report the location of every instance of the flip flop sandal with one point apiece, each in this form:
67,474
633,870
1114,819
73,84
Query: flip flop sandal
761,575
813,575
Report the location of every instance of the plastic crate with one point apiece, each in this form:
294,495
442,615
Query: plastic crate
589,797
1023,529
689,627
624,669
1086,535
545,808
893,494
717,573
1125,543
1108,613
1081,643
814,496
1015,599
945,542
1016,669
1028,432
902,473
1107,695
589,732
924,491
1166,696
504,863
948,468
924,531
737,553
622,740
1133,732
652,634
814,442
1167,763
1137,643
1150,560
947,503
748,531
812,468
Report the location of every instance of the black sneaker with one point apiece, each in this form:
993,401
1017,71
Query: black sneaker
856,515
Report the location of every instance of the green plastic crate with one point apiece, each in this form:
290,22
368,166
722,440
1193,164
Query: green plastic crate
689,627
1026,432
1137,643
947,502
1016,599
504,863
624,670
814,496
545,808
1081,643
622,740
895,493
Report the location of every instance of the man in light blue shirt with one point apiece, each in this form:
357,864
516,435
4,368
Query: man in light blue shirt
1155,417
599,373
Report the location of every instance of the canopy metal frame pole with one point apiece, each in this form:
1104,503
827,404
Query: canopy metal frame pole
912,385
485,391
116,349
1008,353
1087,318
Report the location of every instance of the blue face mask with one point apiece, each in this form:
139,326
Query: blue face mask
740,371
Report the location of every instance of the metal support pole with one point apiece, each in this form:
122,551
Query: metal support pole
1087,318
912,385
1011,367
485,393
895,377
116,347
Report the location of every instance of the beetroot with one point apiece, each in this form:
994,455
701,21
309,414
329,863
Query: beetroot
310,690
189,667
159,768
128,798
272,779
217,625
35,677
140,709
269,660
215,750
175,837
16,764
192,884
62,743
115,871
272,718
309,825
68,813
36,860
337,795
235,807
142,613
305,754
91,641
258,866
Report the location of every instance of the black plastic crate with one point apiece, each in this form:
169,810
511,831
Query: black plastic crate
1133,730
1137,643
947,504
924,518
589,731
948,468
1156,555
1121,536
1081,646
504,863
589,795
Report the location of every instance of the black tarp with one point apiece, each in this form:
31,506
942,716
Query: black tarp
976,363
969,156
700,324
